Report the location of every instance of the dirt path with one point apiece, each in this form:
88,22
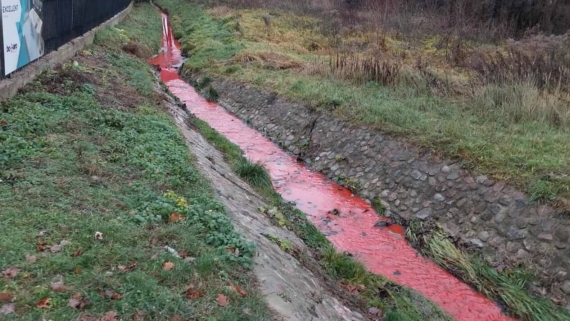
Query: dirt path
291,290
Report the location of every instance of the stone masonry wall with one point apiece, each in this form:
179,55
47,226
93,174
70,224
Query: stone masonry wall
412,183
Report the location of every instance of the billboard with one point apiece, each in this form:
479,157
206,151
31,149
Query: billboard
22,33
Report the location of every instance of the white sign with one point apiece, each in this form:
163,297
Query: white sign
11,14
22,29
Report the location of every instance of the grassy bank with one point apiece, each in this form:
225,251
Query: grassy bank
391,300
508,127
95,182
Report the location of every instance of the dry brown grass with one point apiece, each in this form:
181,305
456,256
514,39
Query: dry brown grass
268,59
365,69
220,11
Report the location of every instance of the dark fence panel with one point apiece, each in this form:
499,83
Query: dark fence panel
64,20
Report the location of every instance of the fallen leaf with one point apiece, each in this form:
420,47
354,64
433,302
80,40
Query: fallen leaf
41,245
7,309
77,270
78,302
175,217
194,294
139,316
44,303
153,241
60,287
56,248
77,252
110,294
31,258
86,317
222,300
11,272
110,316
374,312
183,254
350,288
240,291
127,268
6,296
167,266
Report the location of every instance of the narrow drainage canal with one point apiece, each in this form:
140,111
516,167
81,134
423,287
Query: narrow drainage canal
384,251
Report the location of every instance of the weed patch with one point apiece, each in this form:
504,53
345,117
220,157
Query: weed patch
509,287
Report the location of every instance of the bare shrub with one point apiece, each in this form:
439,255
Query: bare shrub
365,69
541,60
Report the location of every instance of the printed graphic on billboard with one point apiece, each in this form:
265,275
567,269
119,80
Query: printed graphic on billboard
22,33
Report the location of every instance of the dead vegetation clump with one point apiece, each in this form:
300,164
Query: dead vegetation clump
365,69
268,59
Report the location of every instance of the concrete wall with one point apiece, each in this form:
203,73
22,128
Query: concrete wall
9,87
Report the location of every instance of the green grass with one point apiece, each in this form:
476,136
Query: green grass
70,167
510,288
254,173
400,303
489,136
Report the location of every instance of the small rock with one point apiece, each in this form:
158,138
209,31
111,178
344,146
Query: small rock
432,181
499,218
446,169
477,242
484,236
521,222
561,246
513,247
452,229
424,213
381,224
545,237
413,193
461,202
496,209
496,241
416,175
566,287
95,179
519,204
481,179
453,176
562,233
515,234
546,225
438,198
505,200
487,215
522,254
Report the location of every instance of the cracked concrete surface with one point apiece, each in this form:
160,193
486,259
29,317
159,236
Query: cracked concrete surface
290,289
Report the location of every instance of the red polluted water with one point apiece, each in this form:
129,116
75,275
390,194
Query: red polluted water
383,251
